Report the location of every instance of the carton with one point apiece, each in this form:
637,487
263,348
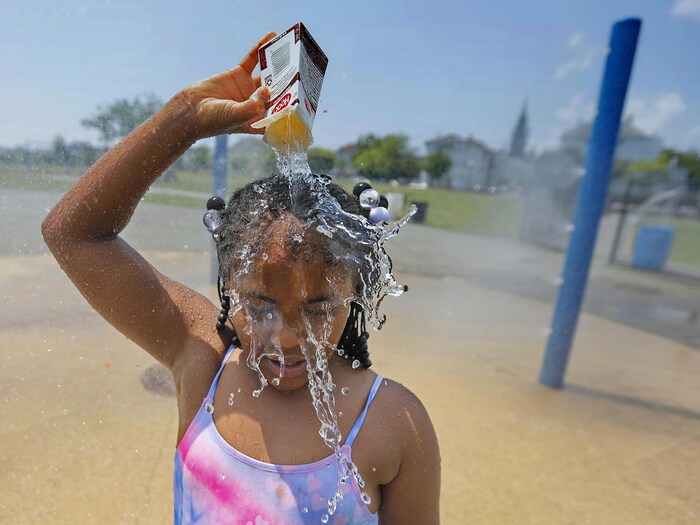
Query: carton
292,66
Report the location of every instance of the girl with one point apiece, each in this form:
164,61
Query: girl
255,375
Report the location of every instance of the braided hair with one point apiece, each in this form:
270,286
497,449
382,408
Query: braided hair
239,229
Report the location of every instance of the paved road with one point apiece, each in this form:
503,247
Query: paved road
660,304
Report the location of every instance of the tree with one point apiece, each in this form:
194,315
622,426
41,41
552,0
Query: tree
122,116
321,160
658,168
247,156
388,157
199,158
437,164
59,151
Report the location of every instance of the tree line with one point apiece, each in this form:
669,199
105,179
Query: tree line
383,158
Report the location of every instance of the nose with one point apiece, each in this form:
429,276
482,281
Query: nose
291,336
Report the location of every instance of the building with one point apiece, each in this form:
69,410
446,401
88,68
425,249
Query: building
521,132
632,144
477,167
471,162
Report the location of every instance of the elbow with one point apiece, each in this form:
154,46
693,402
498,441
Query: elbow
51,231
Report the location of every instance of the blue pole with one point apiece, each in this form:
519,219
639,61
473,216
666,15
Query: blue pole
219,170
591,199
220,165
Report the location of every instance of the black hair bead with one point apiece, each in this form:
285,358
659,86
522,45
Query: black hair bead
360,187
216,203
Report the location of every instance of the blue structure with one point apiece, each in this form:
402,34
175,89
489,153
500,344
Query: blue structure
591,199
652,247
219,172
220,166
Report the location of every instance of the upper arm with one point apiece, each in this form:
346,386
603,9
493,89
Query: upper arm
152,310
413,496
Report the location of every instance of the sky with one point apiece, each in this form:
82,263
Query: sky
420,68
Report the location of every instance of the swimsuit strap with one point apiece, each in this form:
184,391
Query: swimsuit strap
361,419
212,388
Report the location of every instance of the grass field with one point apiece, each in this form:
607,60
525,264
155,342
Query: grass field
467,212
454,210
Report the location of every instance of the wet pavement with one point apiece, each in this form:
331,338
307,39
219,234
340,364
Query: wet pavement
89,422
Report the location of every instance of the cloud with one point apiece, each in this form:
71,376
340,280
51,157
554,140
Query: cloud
652,115
584,54
576,39
576,109
689,8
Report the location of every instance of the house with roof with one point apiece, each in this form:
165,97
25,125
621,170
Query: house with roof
471,162
632,143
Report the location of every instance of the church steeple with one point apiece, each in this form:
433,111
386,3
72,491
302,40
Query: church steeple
518,142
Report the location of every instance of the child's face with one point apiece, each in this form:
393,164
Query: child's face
288,301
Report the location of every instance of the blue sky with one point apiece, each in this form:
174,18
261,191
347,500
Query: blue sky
420,68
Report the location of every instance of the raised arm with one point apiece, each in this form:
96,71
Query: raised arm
83,229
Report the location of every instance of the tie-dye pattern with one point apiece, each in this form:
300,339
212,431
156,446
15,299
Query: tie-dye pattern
216,484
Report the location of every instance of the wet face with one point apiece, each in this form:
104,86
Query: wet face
293,302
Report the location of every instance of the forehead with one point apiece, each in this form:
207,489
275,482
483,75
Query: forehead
292,262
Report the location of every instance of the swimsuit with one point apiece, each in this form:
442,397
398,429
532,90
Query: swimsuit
216,484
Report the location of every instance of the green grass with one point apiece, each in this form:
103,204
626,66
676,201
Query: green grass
686,241
462,211
453,210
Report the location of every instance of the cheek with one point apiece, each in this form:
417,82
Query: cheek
340,319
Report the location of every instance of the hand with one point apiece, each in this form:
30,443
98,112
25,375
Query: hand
230,101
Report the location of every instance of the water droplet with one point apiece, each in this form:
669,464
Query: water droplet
223,476
332,505
324,518
345,390
356,364
239,390
269,316
305,510
276,381
340,414
374,469
230,399
264,257
209,408
366,498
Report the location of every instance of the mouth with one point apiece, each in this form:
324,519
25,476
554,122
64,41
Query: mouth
293,366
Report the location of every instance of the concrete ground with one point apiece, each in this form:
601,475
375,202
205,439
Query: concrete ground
88,430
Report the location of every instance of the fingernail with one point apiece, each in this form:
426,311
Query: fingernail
264,92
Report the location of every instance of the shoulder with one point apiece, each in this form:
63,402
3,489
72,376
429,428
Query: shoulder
411,419
412,495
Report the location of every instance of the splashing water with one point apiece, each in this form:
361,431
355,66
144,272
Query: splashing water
348,232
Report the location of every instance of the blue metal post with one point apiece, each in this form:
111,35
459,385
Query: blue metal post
591,199
220,165
219,171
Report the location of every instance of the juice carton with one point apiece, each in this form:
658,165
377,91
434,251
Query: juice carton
292,65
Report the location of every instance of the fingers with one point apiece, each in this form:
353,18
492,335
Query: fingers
252,109
251,59
256,81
